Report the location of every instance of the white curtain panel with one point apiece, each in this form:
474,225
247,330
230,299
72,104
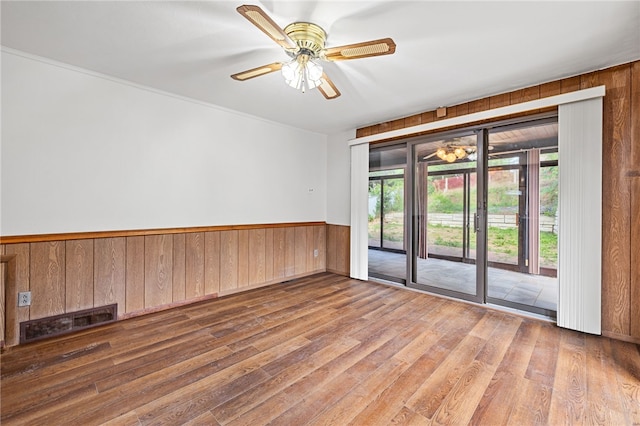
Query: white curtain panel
580,215
359,211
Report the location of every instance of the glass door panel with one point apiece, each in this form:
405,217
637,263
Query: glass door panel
522,194
548,214
504,199
387,235
375,203
444,207
471,218
445,225
393,214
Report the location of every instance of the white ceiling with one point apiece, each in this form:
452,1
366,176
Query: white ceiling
447,52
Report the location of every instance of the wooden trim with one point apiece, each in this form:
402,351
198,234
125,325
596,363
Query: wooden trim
4,258
635,257
521,115
487,114
15,239
623,337
16,280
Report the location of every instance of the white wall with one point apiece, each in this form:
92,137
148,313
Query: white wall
83,152
338,178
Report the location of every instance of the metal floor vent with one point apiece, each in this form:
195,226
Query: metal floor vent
66,323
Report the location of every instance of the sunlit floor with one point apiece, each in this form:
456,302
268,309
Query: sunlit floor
532,290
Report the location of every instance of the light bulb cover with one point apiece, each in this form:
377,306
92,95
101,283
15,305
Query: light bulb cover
302,73
450,157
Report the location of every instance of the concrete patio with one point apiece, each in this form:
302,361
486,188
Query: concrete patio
532,290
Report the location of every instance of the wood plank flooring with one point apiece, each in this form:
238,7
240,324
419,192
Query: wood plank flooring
323,350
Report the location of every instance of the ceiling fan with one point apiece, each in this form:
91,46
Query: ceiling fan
453,152
304,42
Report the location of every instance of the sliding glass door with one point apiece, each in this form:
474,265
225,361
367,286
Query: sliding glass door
444,235
522,207
483,206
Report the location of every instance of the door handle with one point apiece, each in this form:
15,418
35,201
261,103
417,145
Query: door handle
475,222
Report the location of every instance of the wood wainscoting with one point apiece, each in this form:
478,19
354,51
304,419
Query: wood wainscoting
3,280
620,172
150,270
338,249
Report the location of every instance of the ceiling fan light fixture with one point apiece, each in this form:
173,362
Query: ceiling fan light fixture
302,73
451,154
450,157
460,152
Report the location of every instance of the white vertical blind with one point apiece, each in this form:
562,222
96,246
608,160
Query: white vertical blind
580,215
359,211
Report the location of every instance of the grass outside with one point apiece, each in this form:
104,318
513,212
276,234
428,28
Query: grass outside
502,241
393,231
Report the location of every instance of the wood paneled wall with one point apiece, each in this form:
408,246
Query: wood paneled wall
3,280
147,273
621,172
635,256
339,249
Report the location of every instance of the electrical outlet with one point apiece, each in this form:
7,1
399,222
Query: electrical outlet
24,298
315,253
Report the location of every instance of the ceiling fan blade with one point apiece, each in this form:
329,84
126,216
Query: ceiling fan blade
257,72
261,20
384,46
327,88
429,156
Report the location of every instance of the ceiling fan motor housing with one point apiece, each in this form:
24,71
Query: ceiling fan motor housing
309,38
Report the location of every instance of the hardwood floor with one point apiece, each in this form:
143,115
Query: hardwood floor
323,350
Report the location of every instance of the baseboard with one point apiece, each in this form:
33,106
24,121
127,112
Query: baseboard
335,271
167,306
623,337
272,282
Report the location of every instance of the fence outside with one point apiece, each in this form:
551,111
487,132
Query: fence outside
547,224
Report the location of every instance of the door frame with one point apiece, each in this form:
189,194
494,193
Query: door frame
382,179
478,297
